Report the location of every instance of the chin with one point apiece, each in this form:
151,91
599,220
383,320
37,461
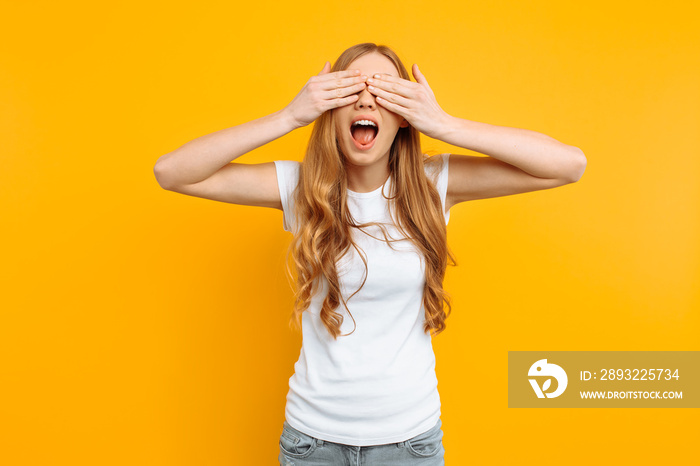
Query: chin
361,161
364,157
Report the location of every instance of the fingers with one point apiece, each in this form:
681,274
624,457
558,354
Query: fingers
337,92
344,87
327,90
393,84
420,78
392,107
399,97
389,96
418,75
340,74
348,79
335,86
341,82
335,103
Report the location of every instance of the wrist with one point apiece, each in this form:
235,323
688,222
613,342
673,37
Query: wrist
287,120
446,126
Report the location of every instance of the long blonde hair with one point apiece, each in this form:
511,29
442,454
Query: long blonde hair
323,221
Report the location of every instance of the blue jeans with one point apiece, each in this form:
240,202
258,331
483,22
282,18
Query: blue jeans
300,449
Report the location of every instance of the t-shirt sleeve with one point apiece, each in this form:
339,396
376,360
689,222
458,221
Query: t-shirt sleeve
287,180
440,173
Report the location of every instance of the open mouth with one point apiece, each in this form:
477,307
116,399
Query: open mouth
364,133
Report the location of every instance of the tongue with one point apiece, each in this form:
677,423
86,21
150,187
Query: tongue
363,134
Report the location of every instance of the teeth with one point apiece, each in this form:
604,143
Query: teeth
364,123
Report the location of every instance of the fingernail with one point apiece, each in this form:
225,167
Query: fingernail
377,76
370,80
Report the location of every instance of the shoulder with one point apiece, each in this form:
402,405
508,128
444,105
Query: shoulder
287,181
437,171
287,174
286,167
435,163
436,168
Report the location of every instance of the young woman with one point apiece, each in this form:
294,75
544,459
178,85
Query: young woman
368,212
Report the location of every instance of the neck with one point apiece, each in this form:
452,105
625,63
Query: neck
366,178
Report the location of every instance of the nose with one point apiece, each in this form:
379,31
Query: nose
366,100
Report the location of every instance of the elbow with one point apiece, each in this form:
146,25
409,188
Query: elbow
161,174
578,165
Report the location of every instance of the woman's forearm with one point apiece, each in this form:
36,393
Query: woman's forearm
535,153
200,158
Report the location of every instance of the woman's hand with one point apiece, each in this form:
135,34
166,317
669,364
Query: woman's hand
413,101
323,92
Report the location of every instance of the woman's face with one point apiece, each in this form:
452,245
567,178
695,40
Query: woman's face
365,145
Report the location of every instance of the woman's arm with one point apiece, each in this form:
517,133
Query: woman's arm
200,158
520,160
203,167
533,152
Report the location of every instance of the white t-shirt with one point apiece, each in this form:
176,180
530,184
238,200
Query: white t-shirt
378,384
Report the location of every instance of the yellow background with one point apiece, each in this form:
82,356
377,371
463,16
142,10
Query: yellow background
144,327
